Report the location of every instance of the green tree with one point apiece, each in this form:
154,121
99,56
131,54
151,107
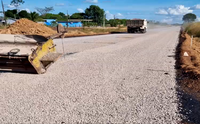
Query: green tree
17,3
23,14
113,22
34,16
190,17
9,14
95,13
61,14
77,16
51,16
123,22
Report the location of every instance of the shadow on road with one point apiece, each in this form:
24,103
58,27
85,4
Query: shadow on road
189,107
118,32
188,91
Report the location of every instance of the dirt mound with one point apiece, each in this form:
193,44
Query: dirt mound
27,27
188,67
190,63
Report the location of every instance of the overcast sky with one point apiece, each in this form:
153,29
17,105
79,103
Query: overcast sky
169,11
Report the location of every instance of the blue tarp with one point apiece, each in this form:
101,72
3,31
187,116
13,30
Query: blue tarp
64,23
71,24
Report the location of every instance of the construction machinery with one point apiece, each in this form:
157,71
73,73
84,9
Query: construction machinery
137,25
28,53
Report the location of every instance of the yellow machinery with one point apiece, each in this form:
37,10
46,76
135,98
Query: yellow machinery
26,53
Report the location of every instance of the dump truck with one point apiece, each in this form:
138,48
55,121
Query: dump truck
26,53
137,25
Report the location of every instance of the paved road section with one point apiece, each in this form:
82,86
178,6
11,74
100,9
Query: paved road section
119,78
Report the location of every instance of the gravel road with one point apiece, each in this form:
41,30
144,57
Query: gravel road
118,78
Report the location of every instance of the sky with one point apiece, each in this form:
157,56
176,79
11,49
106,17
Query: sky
166,11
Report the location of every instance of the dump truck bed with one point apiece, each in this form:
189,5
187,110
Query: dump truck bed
22,42
135,23
23,49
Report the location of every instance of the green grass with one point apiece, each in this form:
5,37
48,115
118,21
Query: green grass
193,29
2,26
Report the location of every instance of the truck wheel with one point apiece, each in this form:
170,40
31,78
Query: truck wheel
145,30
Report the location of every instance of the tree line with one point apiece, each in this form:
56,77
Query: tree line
93,12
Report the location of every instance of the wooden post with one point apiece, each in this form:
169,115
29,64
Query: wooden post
191,42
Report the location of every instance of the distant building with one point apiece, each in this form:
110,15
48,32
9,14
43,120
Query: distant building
48,22
69,23
74,22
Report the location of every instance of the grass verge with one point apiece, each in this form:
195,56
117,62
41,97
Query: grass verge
2,26
193,29
188,78
73,32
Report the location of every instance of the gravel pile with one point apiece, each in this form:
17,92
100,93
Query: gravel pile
27,27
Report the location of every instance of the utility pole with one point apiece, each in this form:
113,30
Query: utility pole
67,20
114,20
104,19
4,12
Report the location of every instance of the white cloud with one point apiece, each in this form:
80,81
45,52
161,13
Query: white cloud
119,14
60,4
28,10
109,15
92,1
198,18
162,12
197,6
177,10
10,6
80,10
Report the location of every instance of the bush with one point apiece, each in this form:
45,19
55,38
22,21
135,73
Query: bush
193,29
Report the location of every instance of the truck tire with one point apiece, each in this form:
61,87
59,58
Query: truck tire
129,30
144,31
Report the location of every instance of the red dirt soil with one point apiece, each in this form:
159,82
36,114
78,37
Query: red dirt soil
190,63
188,67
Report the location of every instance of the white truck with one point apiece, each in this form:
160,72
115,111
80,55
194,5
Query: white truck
137,25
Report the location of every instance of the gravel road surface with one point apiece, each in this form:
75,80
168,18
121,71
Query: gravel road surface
118,78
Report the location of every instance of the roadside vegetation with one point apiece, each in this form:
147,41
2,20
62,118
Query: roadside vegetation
193,29
45,14
188,56
93,31
189,45
93,12
2,26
